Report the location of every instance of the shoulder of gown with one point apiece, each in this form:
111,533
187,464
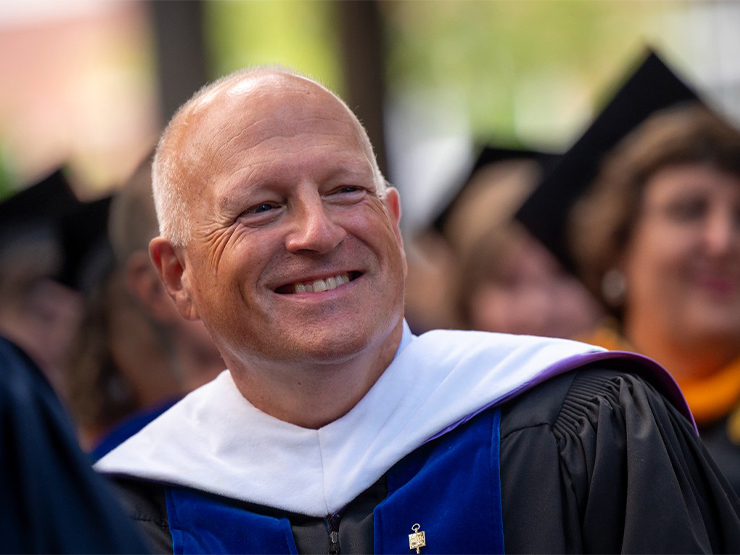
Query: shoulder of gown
594,460
145,503
597,460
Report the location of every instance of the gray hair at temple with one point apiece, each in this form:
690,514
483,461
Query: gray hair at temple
170,171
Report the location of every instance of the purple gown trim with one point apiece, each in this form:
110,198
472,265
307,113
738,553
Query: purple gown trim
646,368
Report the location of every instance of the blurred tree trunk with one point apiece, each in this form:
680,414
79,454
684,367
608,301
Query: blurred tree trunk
180,49
362,58
182,60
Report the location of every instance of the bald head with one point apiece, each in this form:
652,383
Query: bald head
189,152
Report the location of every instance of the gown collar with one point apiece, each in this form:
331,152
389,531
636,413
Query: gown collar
214,440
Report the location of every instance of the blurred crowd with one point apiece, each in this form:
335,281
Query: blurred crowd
629,240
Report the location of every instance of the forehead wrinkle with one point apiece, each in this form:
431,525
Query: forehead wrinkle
263,128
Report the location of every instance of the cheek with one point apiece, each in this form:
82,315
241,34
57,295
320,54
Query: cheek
656,268
375,228
393,245
213,282
652,252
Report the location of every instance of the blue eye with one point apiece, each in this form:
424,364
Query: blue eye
264,207
346,194
261,212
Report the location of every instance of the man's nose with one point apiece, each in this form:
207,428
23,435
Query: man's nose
314,230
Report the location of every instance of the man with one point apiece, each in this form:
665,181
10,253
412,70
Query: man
136,354
336,430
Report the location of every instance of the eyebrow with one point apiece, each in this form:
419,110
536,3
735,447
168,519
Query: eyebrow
236,189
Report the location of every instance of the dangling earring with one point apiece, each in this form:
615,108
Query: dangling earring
614,287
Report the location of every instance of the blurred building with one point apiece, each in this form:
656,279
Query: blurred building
78,87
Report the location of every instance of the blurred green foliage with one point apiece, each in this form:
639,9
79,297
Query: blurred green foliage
526,70
517,61
300,34
7,181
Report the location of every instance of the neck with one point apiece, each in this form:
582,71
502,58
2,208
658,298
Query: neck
312,395
684,360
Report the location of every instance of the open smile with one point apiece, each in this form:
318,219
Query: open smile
317,285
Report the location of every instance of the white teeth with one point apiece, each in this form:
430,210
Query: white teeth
321,285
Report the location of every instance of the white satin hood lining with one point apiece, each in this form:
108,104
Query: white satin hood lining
214,440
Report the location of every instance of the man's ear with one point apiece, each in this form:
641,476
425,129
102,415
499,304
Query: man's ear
392,201
171,265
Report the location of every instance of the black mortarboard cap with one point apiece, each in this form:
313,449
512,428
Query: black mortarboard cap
51,211
39,206
87,254
488,155
652,87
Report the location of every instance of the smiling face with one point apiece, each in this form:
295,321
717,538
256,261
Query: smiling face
294,257
682,265
526,291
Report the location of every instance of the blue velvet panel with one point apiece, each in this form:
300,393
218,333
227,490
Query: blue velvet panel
205,524
451,487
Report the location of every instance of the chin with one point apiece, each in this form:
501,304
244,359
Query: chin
712,332
327,352
337,344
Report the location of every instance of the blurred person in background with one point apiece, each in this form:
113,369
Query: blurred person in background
50,499
506,280
645,209
659,239
428,287
40,305
499,277
135,355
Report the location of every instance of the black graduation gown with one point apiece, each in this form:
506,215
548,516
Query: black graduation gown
52,501
594,460
723,449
